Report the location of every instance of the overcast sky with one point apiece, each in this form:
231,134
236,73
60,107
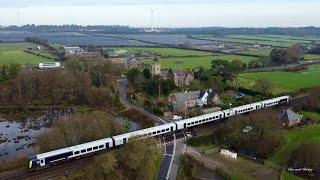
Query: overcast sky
170,13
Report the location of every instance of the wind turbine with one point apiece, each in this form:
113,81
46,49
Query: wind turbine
152,11
18,15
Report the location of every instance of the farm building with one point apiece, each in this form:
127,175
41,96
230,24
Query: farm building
132,63
72,50
48,65
289,118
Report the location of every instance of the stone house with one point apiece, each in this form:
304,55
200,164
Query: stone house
180,101
209,97
181,77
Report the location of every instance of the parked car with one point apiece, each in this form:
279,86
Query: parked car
247,129
188,134
176,118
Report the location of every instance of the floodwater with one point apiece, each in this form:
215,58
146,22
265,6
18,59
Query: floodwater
17,137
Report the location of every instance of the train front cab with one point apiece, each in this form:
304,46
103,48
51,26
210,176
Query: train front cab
33,162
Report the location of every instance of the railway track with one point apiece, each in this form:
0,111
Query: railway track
50,172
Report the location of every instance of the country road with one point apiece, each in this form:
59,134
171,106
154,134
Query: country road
123,98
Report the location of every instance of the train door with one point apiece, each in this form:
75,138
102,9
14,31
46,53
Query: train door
236,113
171,128
42,163
185,125
124,140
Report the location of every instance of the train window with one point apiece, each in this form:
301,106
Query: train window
154,133
83,151
77,152
101,146
167,129
89,149
95,148
158,131
217,116
192,123
188,123
163,130
196,122
41,161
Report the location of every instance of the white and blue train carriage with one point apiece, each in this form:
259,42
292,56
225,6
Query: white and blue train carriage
191,122
51,157
149,132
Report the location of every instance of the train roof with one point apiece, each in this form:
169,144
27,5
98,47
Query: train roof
72,148
145,131
199,117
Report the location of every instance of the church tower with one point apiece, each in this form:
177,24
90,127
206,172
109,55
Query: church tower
156,67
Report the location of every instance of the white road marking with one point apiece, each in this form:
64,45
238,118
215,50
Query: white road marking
174,151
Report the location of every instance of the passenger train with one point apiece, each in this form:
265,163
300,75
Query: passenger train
48,158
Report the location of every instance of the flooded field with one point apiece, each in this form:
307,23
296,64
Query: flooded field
16,138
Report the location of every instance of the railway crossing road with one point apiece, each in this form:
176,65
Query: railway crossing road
174,146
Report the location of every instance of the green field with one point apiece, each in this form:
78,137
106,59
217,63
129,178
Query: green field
264,38
288,80
56,46
293,139
257,52
246,41
312,115
307,38
193,62
312,57
13,53
166,51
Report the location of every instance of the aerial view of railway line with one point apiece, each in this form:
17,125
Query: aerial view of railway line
160,90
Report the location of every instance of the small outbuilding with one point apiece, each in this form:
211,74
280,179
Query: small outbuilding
289,118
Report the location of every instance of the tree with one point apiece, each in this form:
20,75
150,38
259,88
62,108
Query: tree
263,139
9,71
147,73
294,54
278,56
135,160
264,86
133,75
78,128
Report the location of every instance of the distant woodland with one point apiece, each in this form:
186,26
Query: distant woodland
220,31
